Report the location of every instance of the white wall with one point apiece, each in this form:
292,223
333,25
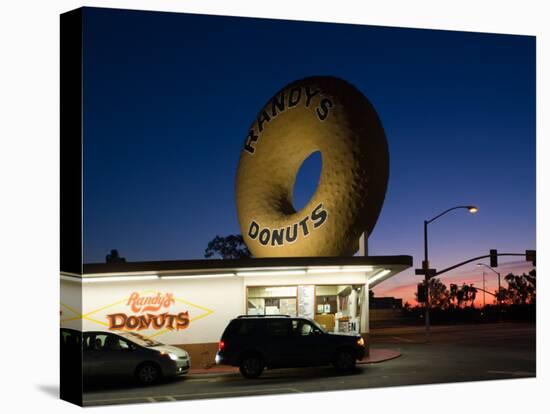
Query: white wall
211,304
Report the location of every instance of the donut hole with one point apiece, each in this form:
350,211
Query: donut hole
307,180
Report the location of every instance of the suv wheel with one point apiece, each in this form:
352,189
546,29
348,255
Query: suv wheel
251,366
148,373
345,360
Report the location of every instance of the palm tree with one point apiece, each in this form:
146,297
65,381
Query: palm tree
521,289
464,294
472,294
453,295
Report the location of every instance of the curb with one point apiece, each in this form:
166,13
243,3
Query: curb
377,355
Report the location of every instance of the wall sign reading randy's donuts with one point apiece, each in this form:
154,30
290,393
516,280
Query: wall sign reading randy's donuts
316,114
143,318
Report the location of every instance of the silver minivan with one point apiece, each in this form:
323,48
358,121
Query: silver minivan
107,354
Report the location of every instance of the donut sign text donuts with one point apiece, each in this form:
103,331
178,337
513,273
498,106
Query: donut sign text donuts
323,114
290,233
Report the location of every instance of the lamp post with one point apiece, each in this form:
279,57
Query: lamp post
426,263
498,292
492,270
483,291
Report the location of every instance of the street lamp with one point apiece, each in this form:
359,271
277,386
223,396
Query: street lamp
498,293
492,270
426,262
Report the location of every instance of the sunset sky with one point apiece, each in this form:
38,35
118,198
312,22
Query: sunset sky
168,99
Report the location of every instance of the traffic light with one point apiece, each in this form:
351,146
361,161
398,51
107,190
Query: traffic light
421,293
531,256
493,257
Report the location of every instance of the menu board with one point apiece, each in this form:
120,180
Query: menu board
288,306
306,301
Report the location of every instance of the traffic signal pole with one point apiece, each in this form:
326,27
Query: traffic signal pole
530,255
473,260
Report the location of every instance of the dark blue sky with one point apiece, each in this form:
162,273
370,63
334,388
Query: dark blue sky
168,99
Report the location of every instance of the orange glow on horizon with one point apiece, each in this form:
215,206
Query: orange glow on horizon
470,276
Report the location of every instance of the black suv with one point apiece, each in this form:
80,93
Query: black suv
278,341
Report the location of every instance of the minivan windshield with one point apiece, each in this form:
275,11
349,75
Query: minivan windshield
139,339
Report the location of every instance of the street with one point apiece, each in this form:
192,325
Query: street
454,354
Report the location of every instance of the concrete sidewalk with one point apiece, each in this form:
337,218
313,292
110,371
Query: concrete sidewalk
377,355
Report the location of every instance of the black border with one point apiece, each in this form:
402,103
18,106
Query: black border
71,386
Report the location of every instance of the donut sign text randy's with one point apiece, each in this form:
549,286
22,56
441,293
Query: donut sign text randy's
149,312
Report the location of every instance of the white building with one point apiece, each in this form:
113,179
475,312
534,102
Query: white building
189,303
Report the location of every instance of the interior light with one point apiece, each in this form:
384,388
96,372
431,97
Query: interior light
379,275
279,288
273,273
357,269
317,270
205,276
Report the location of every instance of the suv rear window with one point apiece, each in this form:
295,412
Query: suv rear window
278,327
241,327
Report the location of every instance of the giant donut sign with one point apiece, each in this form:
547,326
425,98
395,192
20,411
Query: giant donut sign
324,114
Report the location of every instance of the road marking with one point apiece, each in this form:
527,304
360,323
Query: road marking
240,392
209,379
193,395
402,339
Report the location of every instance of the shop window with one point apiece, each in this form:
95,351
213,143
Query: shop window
326,304
271,300
338,307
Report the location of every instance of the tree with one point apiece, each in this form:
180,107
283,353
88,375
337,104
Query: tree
464,294
114,257
521,289
453,295
229,247
439,294
471,293
500,296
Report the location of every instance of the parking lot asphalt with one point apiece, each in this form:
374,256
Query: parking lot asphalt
453,354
